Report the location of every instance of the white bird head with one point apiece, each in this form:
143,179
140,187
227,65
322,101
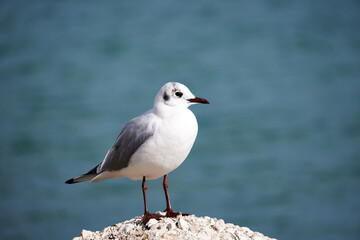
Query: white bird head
176,95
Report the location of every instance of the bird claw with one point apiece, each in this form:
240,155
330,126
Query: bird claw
170,213
147,216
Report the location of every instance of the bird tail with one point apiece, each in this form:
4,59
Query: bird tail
85,177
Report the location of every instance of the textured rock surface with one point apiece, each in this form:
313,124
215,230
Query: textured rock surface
182,227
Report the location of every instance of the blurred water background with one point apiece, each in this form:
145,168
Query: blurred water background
278,147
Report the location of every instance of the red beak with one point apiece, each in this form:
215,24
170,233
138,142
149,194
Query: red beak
198,100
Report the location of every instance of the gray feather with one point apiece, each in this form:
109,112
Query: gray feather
131,137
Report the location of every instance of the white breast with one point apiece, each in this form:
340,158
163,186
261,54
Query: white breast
166,149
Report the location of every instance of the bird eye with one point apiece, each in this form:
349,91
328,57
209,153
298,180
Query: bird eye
178,94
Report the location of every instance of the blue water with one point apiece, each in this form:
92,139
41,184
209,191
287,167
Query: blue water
278,147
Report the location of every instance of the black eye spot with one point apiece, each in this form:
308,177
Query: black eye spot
166,97
179,94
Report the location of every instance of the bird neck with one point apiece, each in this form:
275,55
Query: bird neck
163,110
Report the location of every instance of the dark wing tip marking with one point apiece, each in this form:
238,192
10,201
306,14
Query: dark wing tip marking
70,181
85,177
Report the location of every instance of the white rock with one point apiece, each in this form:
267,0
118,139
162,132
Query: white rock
86,234
170,226
151,222
230,230
126,228
183,224
247,231
257,236
221,222
218,227
211,221
182,227
228,236
204,235
241,235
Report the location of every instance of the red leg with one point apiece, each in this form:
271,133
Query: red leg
169,211
147,216
144,188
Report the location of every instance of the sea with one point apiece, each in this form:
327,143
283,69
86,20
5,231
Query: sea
278,147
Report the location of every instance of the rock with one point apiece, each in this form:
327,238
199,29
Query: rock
151,222
86,234
182,227
182,224
171,226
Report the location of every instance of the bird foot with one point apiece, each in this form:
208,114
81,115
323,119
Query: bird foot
170,213
147,216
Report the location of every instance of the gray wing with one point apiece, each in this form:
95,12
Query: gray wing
131,137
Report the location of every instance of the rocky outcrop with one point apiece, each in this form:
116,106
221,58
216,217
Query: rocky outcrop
180,228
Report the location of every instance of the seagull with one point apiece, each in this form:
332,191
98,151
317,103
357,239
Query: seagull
153,144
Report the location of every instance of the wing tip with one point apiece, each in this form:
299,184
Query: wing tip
70,181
